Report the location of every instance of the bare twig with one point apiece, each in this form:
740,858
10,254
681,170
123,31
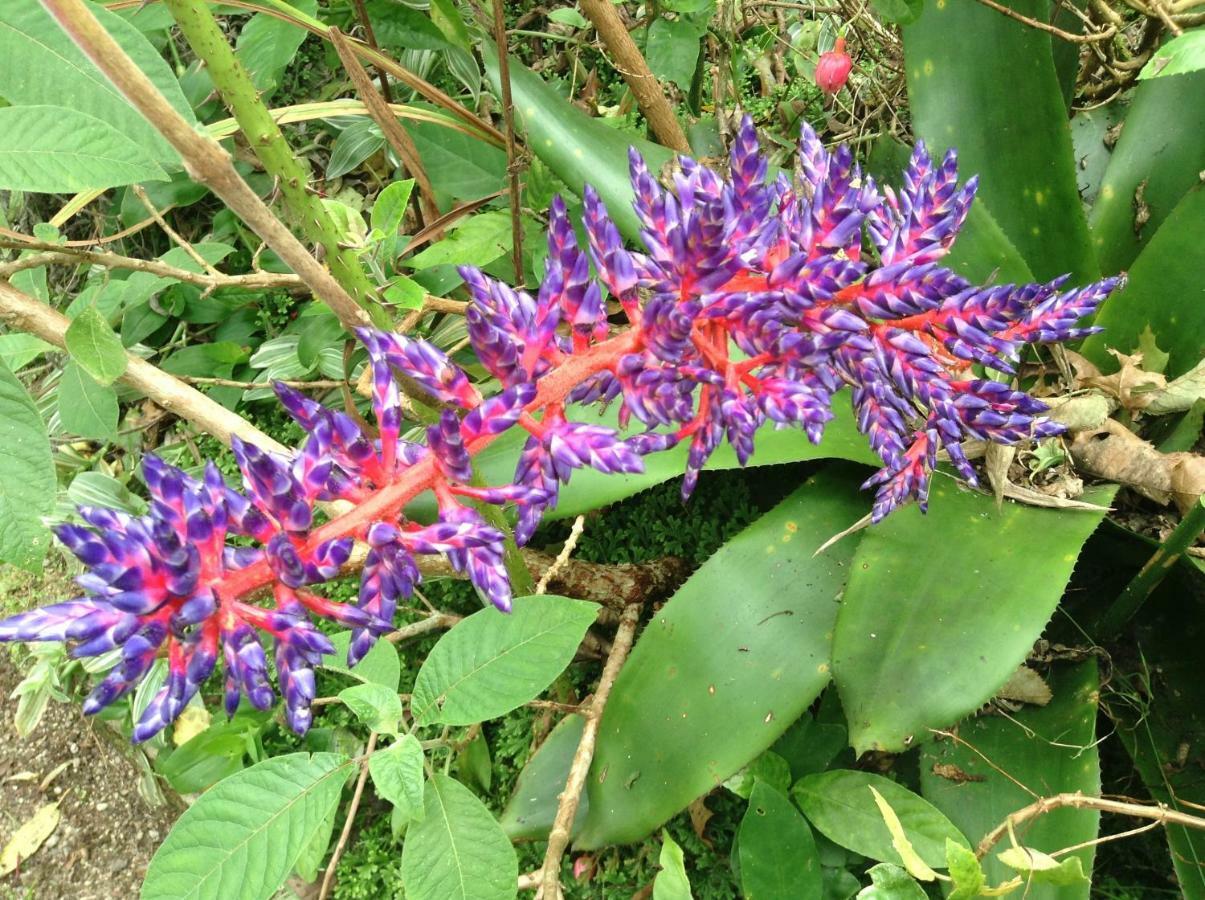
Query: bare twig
205,160
558,838
513,164
1157,812
55,255
435,622
631,64
1059,33
141,194
370,38
317,385
397,136
28,314
328,878
562,558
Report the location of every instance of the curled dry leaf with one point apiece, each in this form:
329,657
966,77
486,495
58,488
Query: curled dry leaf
1025,686
1137,388
29,837
1115,453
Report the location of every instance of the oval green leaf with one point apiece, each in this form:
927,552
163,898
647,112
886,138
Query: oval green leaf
842,807
380,665
778,854
243,837
86,409
52,149
736,655
397,775
457,851
492,662
93,343
942,608
27,478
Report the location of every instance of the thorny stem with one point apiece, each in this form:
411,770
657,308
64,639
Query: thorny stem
204,158
268,143
513,164
329,877
562,825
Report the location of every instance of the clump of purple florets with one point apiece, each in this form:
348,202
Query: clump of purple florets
753,301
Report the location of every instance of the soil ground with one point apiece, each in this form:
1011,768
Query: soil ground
107,833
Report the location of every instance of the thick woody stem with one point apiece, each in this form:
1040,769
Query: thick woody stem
268,143
27,314
513,165
637,74
558,838
203,157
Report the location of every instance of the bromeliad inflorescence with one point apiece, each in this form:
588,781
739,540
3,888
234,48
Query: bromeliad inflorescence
755,300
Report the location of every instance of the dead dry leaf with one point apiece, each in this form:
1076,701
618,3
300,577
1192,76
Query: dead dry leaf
29,837
951,772
1115,453
1026,686
700,815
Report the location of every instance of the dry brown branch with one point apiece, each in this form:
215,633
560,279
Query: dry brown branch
1059,33
144,198
328,878
57,255
513,164
1156,812
397,136
204,159
27,314
317,385
631,64
370,38
436,622
558,838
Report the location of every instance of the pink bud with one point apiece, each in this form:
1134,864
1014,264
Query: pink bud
583,867
833,68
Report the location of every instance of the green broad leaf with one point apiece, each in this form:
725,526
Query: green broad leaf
1158,708
672,50
41,65
27,477
1038,868
778,855
94,344
474,765
493,662
671,882
993,94
86,408
941,608
309,863
99,489
380,665
17,350
738,653
405,293
841,806
1179,56
399,27
965,871
375,705
891,882
899,12
397,776
457,851
1049,749
211,756
532,807
769,768
1089,133
478,240
317,333
216,360
354,144
387,214
460,166
52,149
1155,162
243,836
567,15
447,19
266,46
1165,293
577,148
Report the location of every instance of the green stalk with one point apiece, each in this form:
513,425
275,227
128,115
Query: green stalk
268,143
1153,573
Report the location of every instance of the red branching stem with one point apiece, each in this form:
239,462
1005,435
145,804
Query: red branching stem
385,504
